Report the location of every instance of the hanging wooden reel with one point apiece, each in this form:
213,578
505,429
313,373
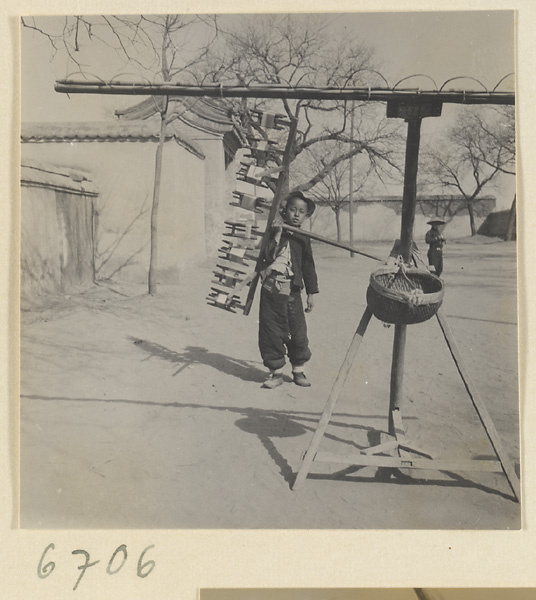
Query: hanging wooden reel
235,260
222,299
238,264
246,201
263,150
230,272
257,176
269,119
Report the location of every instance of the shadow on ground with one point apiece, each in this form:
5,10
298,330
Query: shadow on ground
269,424
191,355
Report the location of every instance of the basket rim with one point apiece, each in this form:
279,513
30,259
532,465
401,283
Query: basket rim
406,297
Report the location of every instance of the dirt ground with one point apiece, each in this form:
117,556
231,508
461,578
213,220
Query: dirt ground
148,412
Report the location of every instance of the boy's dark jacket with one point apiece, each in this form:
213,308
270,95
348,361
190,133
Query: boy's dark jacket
301,256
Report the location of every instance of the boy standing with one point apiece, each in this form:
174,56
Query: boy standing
288,267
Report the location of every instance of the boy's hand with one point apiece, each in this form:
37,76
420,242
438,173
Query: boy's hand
310,303
277,228
278,221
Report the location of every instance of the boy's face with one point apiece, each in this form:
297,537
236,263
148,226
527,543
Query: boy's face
296,212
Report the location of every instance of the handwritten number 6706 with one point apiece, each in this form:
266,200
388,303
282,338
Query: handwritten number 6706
115,564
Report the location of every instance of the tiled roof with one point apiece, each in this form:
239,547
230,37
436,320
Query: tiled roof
38,174
210,115
207,112
106,131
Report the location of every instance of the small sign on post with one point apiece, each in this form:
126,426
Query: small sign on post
401,109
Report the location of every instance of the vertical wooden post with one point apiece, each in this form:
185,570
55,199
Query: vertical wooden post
409,201
409,198
94,229
397,374
351,191
153,260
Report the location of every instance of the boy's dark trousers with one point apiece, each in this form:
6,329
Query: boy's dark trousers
282,327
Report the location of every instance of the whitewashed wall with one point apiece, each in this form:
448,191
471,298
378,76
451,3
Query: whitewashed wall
378,223
124,175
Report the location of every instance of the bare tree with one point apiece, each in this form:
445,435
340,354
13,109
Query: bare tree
104,256
299,50
478,148
333,189
160,48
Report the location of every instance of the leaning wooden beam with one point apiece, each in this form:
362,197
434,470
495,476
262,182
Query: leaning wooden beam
67,86
281,185
480,407
319,238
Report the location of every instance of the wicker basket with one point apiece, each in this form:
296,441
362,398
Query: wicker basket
404,295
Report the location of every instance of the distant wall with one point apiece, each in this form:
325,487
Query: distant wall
56,241
215,185
219,185
375,222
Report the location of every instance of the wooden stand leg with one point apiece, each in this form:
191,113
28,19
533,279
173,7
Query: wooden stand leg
332,400
480,407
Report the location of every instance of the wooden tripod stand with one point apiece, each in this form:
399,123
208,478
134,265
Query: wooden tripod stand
398,446
397,452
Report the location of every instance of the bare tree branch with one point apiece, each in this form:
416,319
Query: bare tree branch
478,147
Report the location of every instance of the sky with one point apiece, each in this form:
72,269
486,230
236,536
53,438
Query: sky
441,45
476,45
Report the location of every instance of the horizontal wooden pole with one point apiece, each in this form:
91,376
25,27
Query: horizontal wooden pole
490,466
319,238
286,92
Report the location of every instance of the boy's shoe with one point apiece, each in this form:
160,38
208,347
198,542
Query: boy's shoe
273,381
301,380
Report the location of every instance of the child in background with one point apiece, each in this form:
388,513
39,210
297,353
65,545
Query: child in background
288,267
435,240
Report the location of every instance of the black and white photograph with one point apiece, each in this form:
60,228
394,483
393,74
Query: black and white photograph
268,272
